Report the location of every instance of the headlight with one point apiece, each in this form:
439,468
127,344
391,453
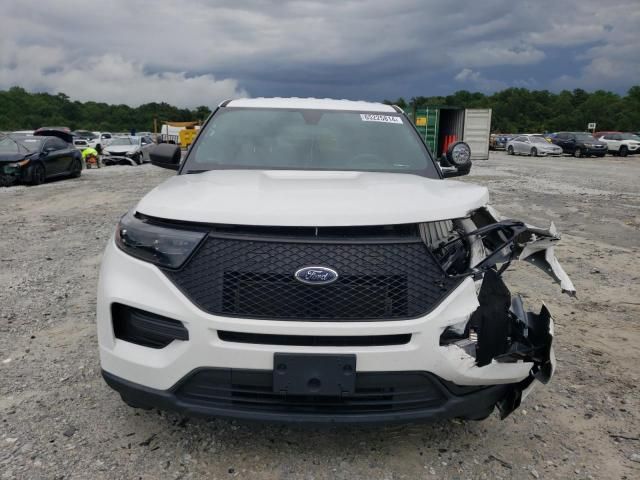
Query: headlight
163,246
588,144
19,164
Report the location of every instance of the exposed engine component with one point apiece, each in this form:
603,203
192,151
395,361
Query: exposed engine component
446,241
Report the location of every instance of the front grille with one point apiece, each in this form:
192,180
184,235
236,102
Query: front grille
253,390
254,278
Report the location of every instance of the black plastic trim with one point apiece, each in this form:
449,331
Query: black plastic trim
145,328
460,402
314,340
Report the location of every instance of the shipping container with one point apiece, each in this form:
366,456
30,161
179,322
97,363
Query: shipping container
442,126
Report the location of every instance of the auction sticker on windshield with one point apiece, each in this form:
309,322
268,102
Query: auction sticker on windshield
368,117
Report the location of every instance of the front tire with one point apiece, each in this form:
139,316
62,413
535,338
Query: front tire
623,151
510,150
38,175
76,169
534,152
577,152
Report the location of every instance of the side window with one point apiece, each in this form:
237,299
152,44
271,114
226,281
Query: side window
617,137
106,136
56,144
145,141
608,137
520,139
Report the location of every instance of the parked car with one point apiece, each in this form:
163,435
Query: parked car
52,129
534,145
80,143
21,133
127,151
580,144
621,144
498,141
87,139
310,263
35,159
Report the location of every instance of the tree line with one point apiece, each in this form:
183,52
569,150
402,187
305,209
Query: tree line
22,110
514,110
523,110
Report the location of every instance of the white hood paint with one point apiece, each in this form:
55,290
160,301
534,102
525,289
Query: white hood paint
119,149
310,198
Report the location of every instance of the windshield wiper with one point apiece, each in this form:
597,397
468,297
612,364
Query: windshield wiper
196,171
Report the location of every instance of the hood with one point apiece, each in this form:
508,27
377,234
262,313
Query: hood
116,149
12,157
45,132
310,198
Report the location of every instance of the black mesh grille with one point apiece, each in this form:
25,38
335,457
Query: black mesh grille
253,390
255,279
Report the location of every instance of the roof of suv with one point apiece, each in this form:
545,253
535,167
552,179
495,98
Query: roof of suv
311,103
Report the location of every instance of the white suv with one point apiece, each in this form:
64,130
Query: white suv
310,263
622,144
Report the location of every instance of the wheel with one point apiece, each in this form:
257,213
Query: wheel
577,152
7,180
38,175
623,151
76,169
534,152
510,150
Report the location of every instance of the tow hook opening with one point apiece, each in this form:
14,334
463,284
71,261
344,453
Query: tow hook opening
501,329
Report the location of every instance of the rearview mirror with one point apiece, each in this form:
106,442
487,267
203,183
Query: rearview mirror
457,161
166,155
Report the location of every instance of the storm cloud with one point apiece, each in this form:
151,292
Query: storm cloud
201,52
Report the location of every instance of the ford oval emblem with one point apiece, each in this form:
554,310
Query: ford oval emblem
316,275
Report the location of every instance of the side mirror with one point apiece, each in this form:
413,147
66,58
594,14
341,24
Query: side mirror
457,161
166,155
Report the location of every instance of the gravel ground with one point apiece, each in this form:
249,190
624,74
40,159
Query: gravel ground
59,419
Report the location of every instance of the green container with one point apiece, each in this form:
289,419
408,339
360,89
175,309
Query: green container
426,120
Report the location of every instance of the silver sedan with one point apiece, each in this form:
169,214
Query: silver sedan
534,145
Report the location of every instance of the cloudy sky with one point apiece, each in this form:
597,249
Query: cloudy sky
202,51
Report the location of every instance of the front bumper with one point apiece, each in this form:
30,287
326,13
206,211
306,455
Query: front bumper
550,153
155,373
221,393
601,152
114,159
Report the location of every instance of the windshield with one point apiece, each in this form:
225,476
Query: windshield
297,139
7,145
85,135
630,136
585,137
121,141
31,143
539,140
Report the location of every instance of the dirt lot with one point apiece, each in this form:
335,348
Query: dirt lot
59,420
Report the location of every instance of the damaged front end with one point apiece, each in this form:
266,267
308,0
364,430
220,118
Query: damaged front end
500,331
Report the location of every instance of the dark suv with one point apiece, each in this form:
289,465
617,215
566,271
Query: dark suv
580,144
